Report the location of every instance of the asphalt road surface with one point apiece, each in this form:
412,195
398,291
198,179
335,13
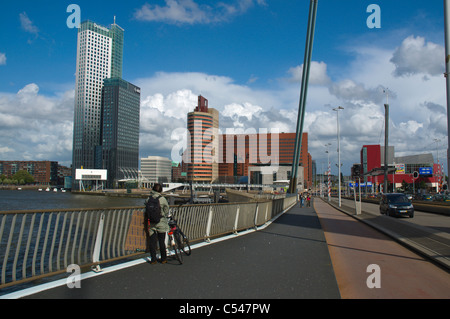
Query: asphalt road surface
355,246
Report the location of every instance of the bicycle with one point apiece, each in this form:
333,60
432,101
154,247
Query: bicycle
178,240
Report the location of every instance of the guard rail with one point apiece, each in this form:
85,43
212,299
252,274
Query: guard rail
38,244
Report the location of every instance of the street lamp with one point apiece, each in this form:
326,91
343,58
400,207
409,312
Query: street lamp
329,173
339,152
438,175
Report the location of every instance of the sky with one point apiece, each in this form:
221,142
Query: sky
246,58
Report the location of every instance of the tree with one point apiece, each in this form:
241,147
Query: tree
25,176
405,186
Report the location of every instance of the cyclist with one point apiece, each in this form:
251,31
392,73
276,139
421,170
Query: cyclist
157,233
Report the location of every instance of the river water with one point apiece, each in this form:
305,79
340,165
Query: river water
33,199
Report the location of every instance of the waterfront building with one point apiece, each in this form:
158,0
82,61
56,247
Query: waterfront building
118,151
156,169
99,56
43,172
241,152
201,156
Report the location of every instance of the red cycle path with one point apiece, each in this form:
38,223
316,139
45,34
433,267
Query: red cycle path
353,246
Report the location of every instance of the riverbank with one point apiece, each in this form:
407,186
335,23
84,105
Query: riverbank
24,187
135,193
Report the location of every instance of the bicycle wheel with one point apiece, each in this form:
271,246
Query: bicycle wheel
186,246
177,250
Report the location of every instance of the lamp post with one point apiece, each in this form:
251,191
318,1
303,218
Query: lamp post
438,174
329,173
447,72
339,152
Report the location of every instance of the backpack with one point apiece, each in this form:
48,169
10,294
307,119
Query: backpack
153,210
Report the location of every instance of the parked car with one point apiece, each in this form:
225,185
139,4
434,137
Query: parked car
426,197
396,204
442,198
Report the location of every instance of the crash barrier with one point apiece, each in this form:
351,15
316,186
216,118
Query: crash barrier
38,244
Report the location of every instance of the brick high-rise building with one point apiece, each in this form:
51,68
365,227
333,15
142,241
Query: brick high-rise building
201,156
271,149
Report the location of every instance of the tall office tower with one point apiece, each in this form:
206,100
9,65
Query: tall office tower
202,153
99,56
118,151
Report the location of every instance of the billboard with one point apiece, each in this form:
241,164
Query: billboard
400,169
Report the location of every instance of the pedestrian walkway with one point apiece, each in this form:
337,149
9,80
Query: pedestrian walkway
287,260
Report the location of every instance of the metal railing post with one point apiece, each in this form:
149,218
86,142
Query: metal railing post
236,220
256,215
98,244
208,225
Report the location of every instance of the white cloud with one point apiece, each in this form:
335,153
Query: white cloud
36,127
27,24
415,56
348,90
190,12
317,74
2,58
236,111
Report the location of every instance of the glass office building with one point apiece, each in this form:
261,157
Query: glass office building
118,152
99,56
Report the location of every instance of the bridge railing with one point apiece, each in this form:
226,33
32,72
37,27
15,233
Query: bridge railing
37,244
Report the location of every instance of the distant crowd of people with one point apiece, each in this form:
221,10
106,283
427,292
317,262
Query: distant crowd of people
305,200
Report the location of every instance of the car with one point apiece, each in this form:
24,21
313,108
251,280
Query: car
396,204
442,198
409,196
426,197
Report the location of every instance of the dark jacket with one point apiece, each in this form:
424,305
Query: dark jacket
163,225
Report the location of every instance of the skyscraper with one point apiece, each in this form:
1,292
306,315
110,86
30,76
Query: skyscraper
99,56
118,151
202,154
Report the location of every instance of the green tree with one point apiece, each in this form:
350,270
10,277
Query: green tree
405,186
25,176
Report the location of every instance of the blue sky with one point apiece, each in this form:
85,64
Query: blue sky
245,58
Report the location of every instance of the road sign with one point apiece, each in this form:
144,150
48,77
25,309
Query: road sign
425,170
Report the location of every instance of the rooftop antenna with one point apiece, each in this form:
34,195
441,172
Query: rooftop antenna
114,19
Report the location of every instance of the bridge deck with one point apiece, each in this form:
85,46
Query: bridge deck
288,259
